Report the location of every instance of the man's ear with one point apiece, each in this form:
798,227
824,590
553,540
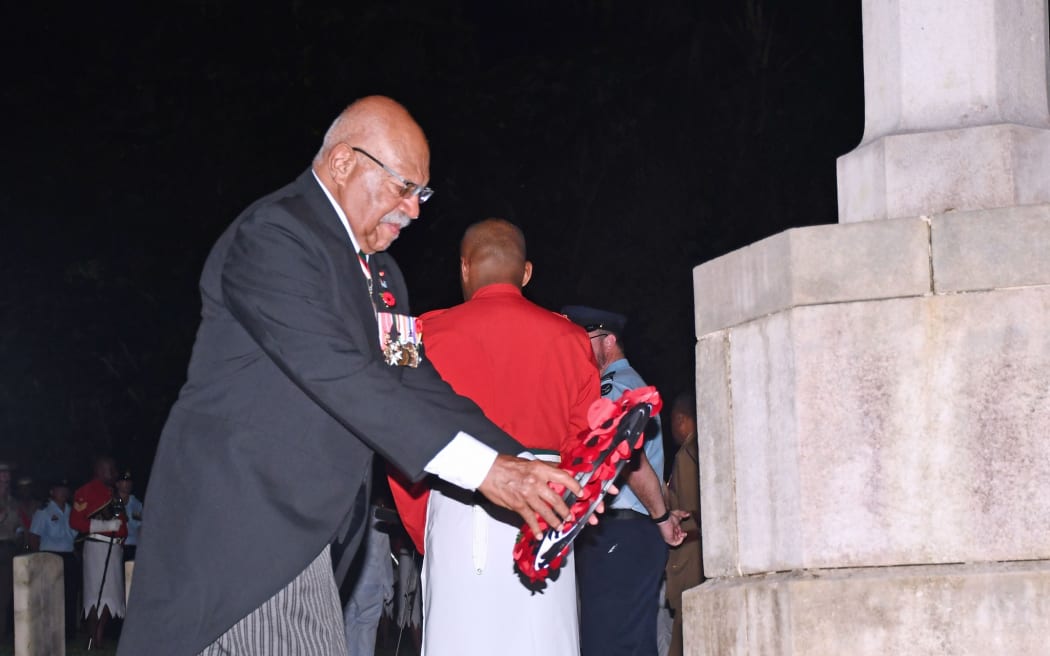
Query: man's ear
528,273
341,162
464,269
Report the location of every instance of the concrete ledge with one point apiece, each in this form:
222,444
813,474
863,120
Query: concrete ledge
990,249
817,264
980,610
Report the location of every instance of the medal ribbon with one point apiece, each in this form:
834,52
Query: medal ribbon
366,269
363,260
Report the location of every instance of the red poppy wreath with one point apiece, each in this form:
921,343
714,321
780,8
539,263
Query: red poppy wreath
617,429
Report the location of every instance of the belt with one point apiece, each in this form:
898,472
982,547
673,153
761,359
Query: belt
621,513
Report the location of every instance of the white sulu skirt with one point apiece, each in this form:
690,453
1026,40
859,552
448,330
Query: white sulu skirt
94,565
474,604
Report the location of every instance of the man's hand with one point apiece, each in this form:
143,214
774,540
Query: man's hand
671,528
522,486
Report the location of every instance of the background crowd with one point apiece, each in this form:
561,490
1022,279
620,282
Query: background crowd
50,514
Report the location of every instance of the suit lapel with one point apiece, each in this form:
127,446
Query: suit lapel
351,285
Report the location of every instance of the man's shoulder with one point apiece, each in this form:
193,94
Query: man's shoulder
89,487
626,375
620,377
434,315
691,448
291,209
295,207
487,310
553,324
92,491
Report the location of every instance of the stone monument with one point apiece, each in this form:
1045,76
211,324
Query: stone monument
39,603
874,395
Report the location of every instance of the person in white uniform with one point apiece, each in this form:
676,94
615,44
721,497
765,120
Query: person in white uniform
50,532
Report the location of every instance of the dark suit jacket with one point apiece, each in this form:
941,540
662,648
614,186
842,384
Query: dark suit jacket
272,436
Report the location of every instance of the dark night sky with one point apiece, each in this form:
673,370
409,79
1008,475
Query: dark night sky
630,141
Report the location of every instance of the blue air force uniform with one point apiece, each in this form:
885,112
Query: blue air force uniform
51,524
617,378
620,562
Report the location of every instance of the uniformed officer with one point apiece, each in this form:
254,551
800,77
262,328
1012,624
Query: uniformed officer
50,532
133,512
105,526
620,562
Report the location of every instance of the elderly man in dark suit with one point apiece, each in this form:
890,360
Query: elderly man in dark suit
293,384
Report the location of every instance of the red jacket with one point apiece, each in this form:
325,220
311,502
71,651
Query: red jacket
532,372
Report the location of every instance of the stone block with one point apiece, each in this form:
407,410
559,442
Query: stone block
955,109
715,439
989,249
817,264
923,173
39,599
965,610
876,433
932,65
766,438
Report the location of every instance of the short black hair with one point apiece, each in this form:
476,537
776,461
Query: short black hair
685,404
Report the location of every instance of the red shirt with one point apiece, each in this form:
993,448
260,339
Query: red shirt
88,500
532,372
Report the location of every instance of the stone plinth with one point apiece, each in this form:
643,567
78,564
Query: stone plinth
991,250
39,600
962,610
873,431
984,167
956,110
819,264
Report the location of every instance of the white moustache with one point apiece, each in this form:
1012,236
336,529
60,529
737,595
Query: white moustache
398,218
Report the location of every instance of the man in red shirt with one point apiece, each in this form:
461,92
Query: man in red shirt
533,374
93,514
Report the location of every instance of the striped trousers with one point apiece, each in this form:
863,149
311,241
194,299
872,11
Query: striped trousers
303,619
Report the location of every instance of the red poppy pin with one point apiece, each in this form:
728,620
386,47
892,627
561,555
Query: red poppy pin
388,299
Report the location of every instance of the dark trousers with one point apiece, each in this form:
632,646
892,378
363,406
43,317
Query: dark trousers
619,565
70,586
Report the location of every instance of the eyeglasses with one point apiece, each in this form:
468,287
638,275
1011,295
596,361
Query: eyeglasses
600,335
409,189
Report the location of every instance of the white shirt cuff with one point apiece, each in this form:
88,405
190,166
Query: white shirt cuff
464,461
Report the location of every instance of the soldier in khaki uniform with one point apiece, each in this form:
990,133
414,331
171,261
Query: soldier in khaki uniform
10,545
685,564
